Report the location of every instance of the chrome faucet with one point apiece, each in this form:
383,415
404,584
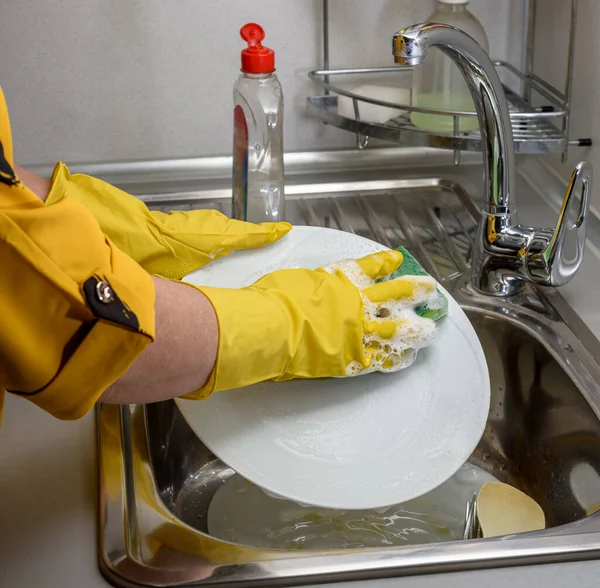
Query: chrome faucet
506,254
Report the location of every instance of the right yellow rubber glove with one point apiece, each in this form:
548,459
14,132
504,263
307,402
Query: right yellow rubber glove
334,321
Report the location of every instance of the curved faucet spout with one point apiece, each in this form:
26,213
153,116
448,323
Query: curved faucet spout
410,47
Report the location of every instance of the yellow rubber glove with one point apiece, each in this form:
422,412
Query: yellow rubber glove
335,321
169,245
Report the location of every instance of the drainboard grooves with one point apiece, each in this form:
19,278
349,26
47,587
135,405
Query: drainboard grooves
374,224
413,241
461,236
442,234
340,217
440,257
305,206
433,215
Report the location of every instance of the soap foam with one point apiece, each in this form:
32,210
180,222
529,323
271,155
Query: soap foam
412,333
352,270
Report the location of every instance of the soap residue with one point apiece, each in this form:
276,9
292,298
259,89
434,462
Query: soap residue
412,332
242,513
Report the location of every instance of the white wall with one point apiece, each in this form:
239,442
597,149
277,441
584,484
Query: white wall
100,80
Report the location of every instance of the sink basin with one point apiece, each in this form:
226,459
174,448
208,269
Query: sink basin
542,436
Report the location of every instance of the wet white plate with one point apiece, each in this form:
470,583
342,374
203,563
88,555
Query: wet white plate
242,513
348,443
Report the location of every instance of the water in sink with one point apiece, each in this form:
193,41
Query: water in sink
241,512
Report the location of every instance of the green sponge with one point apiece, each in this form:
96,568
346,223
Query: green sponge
436,308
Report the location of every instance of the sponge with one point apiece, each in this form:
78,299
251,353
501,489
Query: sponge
436,308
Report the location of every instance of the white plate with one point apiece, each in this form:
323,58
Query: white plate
348,443
240,512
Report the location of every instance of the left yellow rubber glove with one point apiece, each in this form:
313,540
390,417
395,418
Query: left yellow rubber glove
169,245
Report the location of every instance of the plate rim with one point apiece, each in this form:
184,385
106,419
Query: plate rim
478,354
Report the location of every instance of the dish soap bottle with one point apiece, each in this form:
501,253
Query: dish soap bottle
258,188
438,83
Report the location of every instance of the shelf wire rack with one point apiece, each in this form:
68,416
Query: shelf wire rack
536,129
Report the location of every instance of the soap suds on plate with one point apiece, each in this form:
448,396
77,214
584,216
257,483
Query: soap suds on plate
412,332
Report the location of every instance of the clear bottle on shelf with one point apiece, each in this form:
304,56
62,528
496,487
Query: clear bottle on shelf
438,83
258,172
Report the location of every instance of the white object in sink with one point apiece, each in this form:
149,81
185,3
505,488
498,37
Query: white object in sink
347,443
242,513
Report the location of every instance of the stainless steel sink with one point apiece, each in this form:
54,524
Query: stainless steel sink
542,436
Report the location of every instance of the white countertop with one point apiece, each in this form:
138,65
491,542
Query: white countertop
48,493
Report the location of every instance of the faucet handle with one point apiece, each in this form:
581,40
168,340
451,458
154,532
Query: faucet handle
551,265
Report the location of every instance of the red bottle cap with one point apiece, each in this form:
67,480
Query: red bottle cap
256,58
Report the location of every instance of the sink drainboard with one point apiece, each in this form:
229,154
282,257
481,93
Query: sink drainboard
543,432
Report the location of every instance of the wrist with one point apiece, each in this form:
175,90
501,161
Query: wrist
38,185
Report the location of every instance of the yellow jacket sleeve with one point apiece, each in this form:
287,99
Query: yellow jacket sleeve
76,311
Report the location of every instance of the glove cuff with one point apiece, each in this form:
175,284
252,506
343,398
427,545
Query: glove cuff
290,324
253,338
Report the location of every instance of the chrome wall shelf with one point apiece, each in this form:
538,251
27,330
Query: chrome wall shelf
536,129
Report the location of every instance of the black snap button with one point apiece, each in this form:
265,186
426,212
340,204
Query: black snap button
105,303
